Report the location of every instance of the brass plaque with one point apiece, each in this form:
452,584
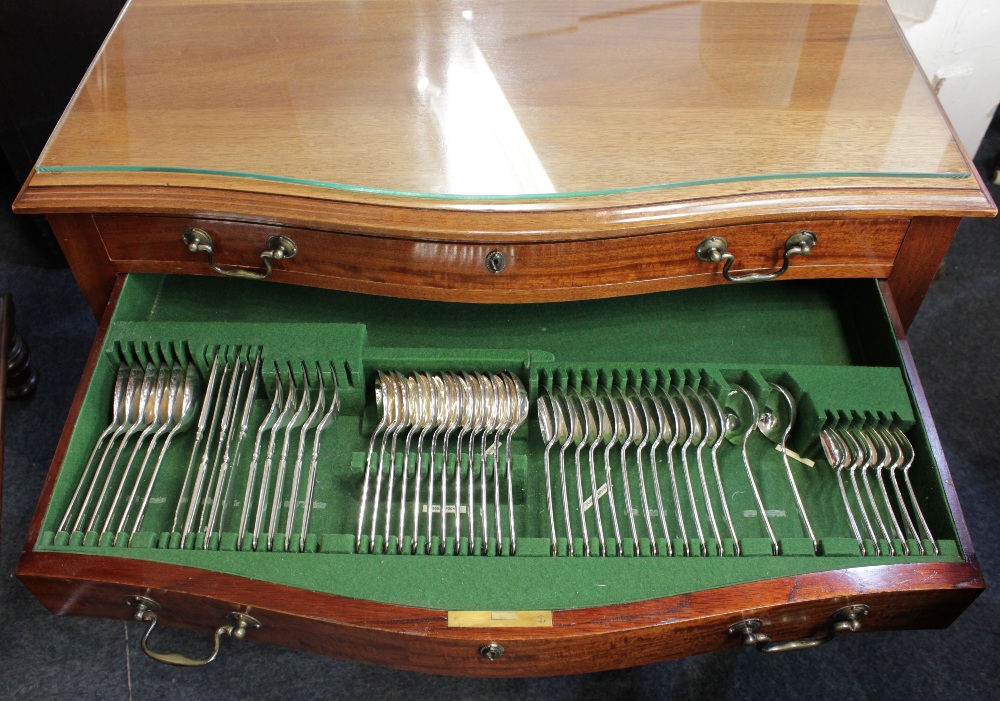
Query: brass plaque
499,619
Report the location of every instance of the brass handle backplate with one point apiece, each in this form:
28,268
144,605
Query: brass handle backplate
144,609
714,249
845,620
278,248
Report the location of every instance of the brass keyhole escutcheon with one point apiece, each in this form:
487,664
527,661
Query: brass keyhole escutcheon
496,262
491,651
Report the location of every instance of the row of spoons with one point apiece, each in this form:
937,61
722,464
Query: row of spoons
150,406
473,407
690,426
882,453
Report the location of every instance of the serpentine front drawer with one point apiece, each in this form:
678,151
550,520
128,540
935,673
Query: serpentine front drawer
555,550
535,270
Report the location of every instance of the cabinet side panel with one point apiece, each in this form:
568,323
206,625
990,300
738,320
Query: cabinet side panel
81,243
917,262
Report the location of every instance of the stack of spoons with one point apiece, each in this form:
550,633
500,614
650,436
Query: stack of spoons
481,411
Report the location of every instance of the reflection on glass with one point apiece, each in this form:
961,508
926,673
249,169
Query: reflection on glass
766,75
484,148
513,99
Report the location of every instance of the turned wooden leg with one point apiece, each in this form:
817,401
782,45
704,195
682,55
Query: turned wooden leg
20,378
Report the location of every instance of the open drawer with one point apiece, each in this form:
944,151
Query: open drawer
711,538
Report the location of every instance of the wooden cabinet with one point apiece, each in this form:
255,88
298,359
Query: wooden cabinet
537,190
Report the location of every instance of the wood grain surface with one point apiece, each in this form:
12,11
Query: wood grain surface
582,640
400,143
538,271
918,260
536,104
585,640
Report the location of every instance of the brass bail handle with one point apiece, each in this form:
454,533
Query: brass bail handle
278,248
845,620
144,609
714,250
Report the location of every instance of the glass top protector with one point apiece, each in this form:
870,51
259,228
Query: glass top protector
510,100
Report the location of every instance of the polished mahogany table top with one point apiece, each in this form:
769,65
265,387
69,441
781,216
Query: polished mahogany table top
536,105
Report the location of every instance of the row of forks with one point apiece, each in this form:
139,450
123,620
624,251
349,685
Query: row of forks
222,430
884,453
294,412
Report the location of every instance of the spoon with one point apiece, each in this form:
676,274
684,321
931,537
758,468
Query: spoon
562,429
518,417
118,413
637,403
546,426
579,430
139,410
391,409
628,434
696,410
155,414
483,420
871,458
588,404
880,469
441,419
169,388
479,424
454,404
662,430
429,413
414,400
714,435
740,394
403,419
609,436
776,427
690,433
506,414
678,430
184,413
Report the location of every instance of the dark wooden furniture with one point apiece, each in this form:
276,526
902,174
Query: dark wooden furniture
504,155
17,378
6,327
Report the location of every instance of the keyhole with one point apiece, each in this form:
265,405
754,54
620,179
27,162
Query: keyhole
496,262
491,651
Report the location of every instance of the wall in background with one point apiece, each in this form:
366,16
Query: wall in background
958,45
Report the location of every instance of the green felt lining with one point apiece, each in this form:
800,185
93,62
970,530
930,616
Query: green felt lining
815,338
